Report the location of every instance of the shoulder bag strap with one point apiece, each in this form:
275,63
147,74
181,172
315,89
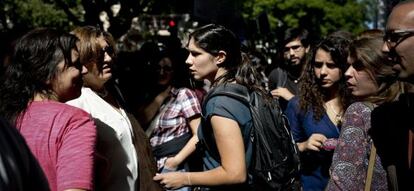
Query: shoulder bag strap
372,157
371,164
410,147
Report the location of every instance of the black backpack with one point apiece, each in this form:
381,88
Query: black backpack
275,160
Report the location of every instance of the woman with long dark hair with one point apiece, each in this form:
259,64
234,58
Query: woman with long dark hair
215,55
316,114
45,72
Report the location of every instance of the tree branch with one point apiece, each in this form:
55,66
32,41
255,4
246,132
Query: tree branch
69,13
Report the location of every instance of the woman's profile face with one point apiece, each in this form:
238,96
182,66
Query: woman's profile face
359,81
326,70
68,82
100,71
202,65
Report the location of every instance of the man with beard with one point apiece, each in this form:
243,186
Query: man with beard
283,80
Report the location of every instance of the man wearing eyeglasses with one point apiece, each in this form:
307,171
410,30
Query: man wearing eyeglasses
283,80
392,123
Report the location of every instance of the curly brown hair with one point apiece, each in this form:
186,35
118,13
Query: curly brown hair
312,95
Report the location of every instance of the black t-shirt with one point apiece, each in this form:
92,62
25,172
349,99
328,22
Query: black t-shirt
390,126
280,78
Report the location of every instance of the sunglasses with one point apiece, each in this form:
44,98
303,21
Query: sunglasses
108,49
394,37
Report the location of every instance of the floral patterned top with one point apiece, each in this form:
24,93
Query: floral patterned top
351,157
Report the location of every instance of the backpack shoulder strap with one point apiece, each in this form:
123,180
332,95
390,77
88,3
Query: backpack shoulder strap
281,78
236,91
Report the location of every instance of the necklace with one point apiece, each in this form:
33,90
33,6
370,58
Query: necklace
293,78
338,115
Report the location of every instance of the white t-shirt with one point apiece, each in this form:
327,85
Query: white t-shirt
117,163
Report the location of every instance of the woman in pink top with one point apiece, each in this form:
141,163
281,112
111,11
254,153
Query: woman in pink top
45,72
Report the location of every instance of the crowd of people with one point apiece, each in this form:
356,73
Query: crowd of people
76,114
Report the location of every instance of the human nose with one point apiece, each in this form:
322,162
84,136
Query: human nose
324,69
348,72
188,61
84,70
291,51
107,57
385,47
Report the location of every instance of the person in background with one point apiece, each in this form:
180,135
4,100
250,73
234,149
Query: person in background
124,160
44,72
283,80
315,115
174,115
392,123
371,82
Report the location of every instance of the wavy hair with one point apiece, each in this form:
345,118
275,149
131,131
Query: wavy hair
89,48
366,53
312,95
34,63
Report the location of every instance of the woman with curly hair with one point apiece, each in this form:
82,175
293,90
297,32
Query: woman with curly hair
316,114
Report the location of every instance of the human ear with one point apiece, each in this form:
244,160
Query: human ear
221,57
307,49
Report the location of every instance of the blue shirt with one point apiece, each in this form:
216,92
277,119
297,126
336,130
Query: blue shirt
229,108
315,165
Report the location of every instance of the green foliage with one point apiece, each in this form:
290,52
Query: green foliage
319,16
29,14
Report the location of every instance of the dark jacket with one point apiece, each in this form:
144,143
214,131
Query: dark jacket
391,123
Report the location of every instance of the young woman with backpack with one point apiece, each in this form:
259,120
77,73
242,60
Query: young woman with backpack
215,55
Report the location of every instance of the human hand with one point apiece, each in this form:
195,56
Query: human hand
171,163
163,95
166,91
314,142
282,92
172,180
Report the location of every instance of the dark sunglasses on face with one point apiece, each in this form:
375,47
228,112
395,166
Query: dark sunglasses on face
108,49
394,37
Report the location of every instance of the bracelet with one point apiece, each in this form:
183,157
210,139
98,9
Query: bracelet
188,178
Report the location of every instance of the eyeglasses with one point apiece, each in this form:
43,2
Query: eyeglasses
158,68
295,48
108,49
394,37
